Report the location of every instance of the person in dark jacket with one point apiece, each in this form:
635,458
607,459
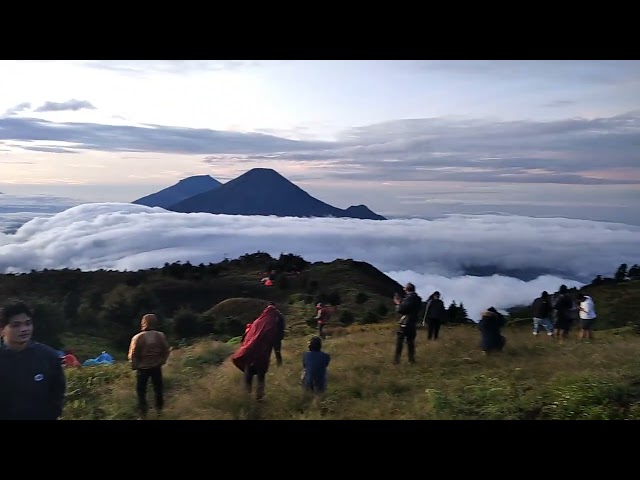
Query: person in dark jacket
542,310
563,313
434,314
32,379
490,325
409,307
277,345
314,364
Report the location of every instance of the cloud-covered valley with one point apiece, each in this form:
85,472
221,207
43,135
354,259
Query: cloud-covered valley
439,254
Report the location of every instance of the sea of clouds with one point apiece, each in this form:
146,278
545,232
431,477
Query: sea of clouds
433,254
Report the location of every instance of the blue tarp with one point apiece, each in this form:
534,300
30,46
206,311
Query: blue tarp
103,359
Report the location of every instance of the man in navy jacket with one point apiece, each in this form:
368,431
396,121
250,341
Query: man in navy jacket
32,378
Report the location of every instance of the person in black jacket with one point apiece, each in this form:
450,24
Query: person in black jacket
277,346
563,306
408,307
434,315
32,379
542,310
490,325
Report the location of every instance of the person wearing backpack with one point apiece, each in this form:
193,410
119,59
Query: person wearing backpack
409,308
542,309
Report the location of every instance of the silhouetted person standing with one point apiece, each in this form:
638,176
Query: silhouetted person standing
434,315
408,307
277,345
563,306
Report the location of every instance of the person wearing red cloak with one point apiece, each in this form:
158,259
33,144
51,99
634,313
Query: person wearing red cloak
254,354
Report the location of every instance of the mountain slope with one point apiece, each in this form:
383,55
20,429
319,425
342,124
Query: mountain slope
263,191
185,188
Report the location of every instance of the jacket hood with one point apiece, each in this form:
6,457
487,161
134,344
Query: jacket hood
149,322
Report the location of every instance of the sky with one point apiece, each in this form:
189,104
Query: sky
406,138
433,254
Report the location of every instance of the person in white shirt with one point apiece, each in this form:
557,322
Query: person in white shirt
587,316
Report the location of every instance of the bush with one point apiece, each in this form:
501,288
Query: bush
346,317
187,323
361,297
588,399
382,309
370,317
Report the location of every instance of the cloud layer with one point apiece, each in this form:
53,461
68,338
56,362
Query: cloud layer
572,151
436,254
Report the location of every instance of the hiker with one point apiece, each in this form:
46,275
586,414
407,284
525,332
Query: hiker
562,307
542,309
490,325
70,360
254,355
148,352
314,364
32,379
587,316
408,307
277,345
434,314
322,317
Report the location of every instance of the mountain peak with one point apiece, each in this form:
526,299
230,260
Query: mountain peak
264,191
185,188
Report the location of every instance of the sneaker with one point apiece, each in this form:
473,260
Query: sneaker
535,333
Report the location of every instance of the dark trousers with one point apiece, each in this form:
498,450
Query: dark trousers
407,333
277,349
321,330
251,372
142,379
433,328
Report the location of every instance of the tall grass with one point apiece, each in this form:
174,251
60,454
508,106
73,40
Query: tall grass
534,378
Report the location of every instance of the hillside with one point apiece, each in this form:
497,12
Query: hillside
534,378
203,307
109,304
185,188
263,191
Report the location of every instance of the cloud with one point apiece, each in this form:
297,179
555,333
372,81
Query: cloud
479,293
50,149
602,72
475,150
72,105
153,138
144,67
126,236
16,210
560,103
17,109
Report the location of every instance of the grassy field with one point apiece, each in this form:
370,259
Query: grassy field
534,378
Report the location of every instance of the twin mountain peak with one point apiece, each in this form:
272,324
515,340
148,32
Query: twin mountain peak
260,191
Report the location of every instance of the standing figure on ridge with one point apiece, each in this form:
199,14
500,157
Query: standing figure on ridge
408,307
